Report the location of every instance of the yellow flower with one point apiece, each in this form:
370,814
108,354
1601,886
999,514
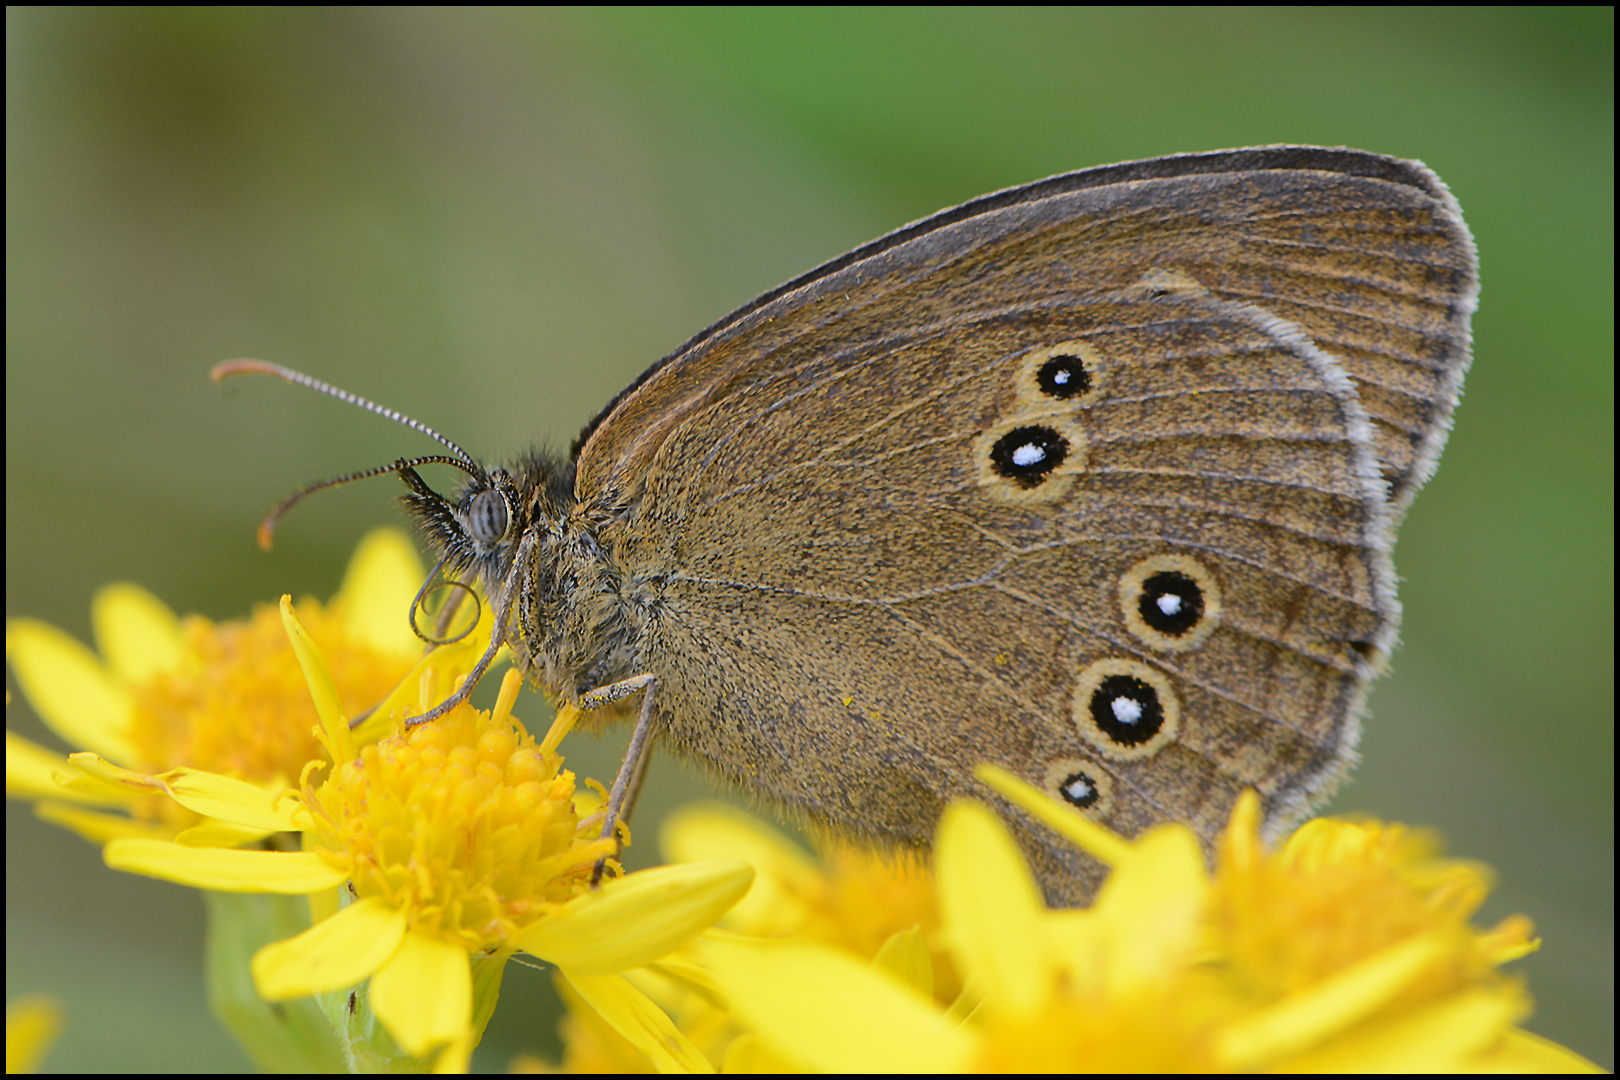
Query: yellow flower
852,897
226,698
456,844
1347,950
428,857
876,906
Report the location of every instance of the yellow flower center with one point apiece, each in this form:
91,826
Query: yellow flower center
1340,893
463,823
238,705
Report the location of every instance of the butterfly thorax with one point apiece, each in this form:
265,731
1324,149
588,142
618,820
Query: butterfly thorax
579,629
536,553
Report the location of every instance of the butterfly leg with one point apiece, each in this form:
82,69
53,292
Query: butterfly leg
627,785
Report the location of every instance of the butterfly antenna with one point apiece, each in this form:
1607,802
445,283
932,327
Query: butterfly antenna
462,460
229,368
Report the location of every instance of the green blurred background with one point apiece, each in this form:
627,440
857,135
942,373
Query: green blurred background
494,220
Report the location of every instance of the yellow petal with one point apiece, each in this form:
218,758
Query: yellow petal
905,955
136,632
103,773
1152,909
1525,1052
832,1012
378,589
235,801
220,834
1309,1017
681,969
636,919
633,1015
748,1053
787,874
225,871
32,1025
221,797
71,691
99,829
321,686
423,994
992,909
343,950
32,772
1446,1035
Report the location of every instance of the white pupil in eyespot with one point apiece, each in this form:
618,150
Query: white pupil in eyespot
1079,790
1060,377
1126,710
1028,454
1169,603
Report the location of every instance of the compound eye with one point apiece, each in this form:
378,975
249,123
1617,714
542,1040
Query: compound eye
487,518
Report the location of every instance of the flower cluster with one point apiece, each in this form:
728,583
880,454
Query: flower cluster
428,856
409,864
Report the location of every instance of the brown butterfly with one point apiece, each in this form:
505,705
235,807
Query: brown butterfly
1096,479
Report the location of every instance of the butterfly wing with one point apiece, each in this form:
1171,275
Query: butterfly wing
1080,479
1368,254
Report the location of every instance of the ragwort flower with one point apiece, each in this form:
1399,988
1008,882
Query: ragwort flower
875,906
430,858
226,698
424,859
1348,950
